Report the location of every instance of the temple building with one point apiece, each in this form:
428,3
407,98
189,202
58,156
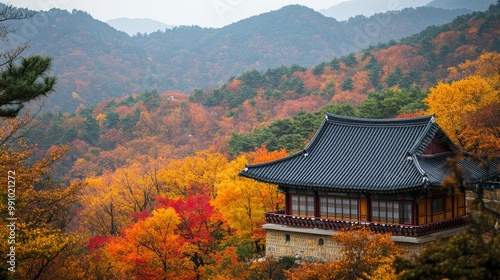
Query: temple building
384,174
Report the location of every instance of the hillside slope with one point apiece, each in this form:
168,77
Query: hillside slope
95,62
255,107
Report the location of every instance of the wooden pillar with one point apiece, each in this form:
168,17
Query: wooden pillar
288,202
422,211
414,215
369,208
317,210
364,210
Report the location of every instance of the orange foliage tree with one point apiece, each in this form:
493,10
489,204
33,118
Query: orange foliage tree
364,255
226,265
151,249
180,237
483,130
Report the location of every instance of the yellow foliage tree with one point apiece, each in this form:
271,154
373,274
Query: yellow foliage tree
242,202
111,199
139,186
201,169
453,103
487,66
104,211
36,209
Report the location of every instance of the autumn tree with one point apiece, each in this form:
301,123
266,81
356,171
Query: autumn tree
103,208
242,202
139,185
271,268
452,103
487,66
482,130
190,226
42,208
201,169
478,117
363,255
363,252
200,227
226,265
151,249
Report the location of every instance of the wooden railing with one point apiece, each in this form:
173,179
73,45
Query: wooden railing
280,218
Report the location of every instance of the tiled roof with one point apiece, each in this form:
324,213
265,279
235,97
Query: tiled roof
473,168
354,154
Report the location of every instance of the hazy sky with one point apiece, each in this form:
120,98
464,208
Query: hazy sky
206,13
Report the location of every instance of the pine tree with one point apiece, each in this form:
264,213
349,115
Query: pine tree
24,82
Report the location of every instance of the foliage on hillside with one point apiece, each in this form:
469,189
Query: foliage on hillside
280,107
94,62
149,190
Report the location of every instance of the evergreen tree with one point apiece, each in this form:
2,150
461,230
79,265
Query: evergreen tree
374,72
91,131
395,78
112,119
25,82
350,60
319,69
347,84
151,99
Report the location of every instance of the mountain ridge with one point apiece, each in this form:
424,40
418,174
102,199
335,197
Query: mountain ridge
95,62
344,10
132,26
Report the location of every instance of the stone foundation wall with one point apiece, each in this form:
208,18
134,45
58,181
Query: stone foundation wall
301,245
491,198
318,245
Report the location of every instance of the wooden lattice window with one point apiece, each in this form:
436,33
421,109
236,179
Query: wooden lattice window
340,208
303,205
392,212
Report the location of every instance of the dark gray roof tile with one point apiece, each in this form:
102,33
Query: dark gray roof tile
354,154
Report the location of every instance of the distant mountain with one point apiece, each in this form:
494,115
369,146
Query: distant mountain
476,5
352,8
137,25
104,136
292,35
95,62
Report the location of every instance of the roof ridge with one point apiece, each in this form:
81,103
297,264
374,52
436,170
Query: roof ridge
311,143
357,121
422,172
425,134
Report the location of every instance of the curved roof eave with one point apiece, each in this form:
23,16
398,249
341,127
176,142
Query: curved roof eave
300,153
414,187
